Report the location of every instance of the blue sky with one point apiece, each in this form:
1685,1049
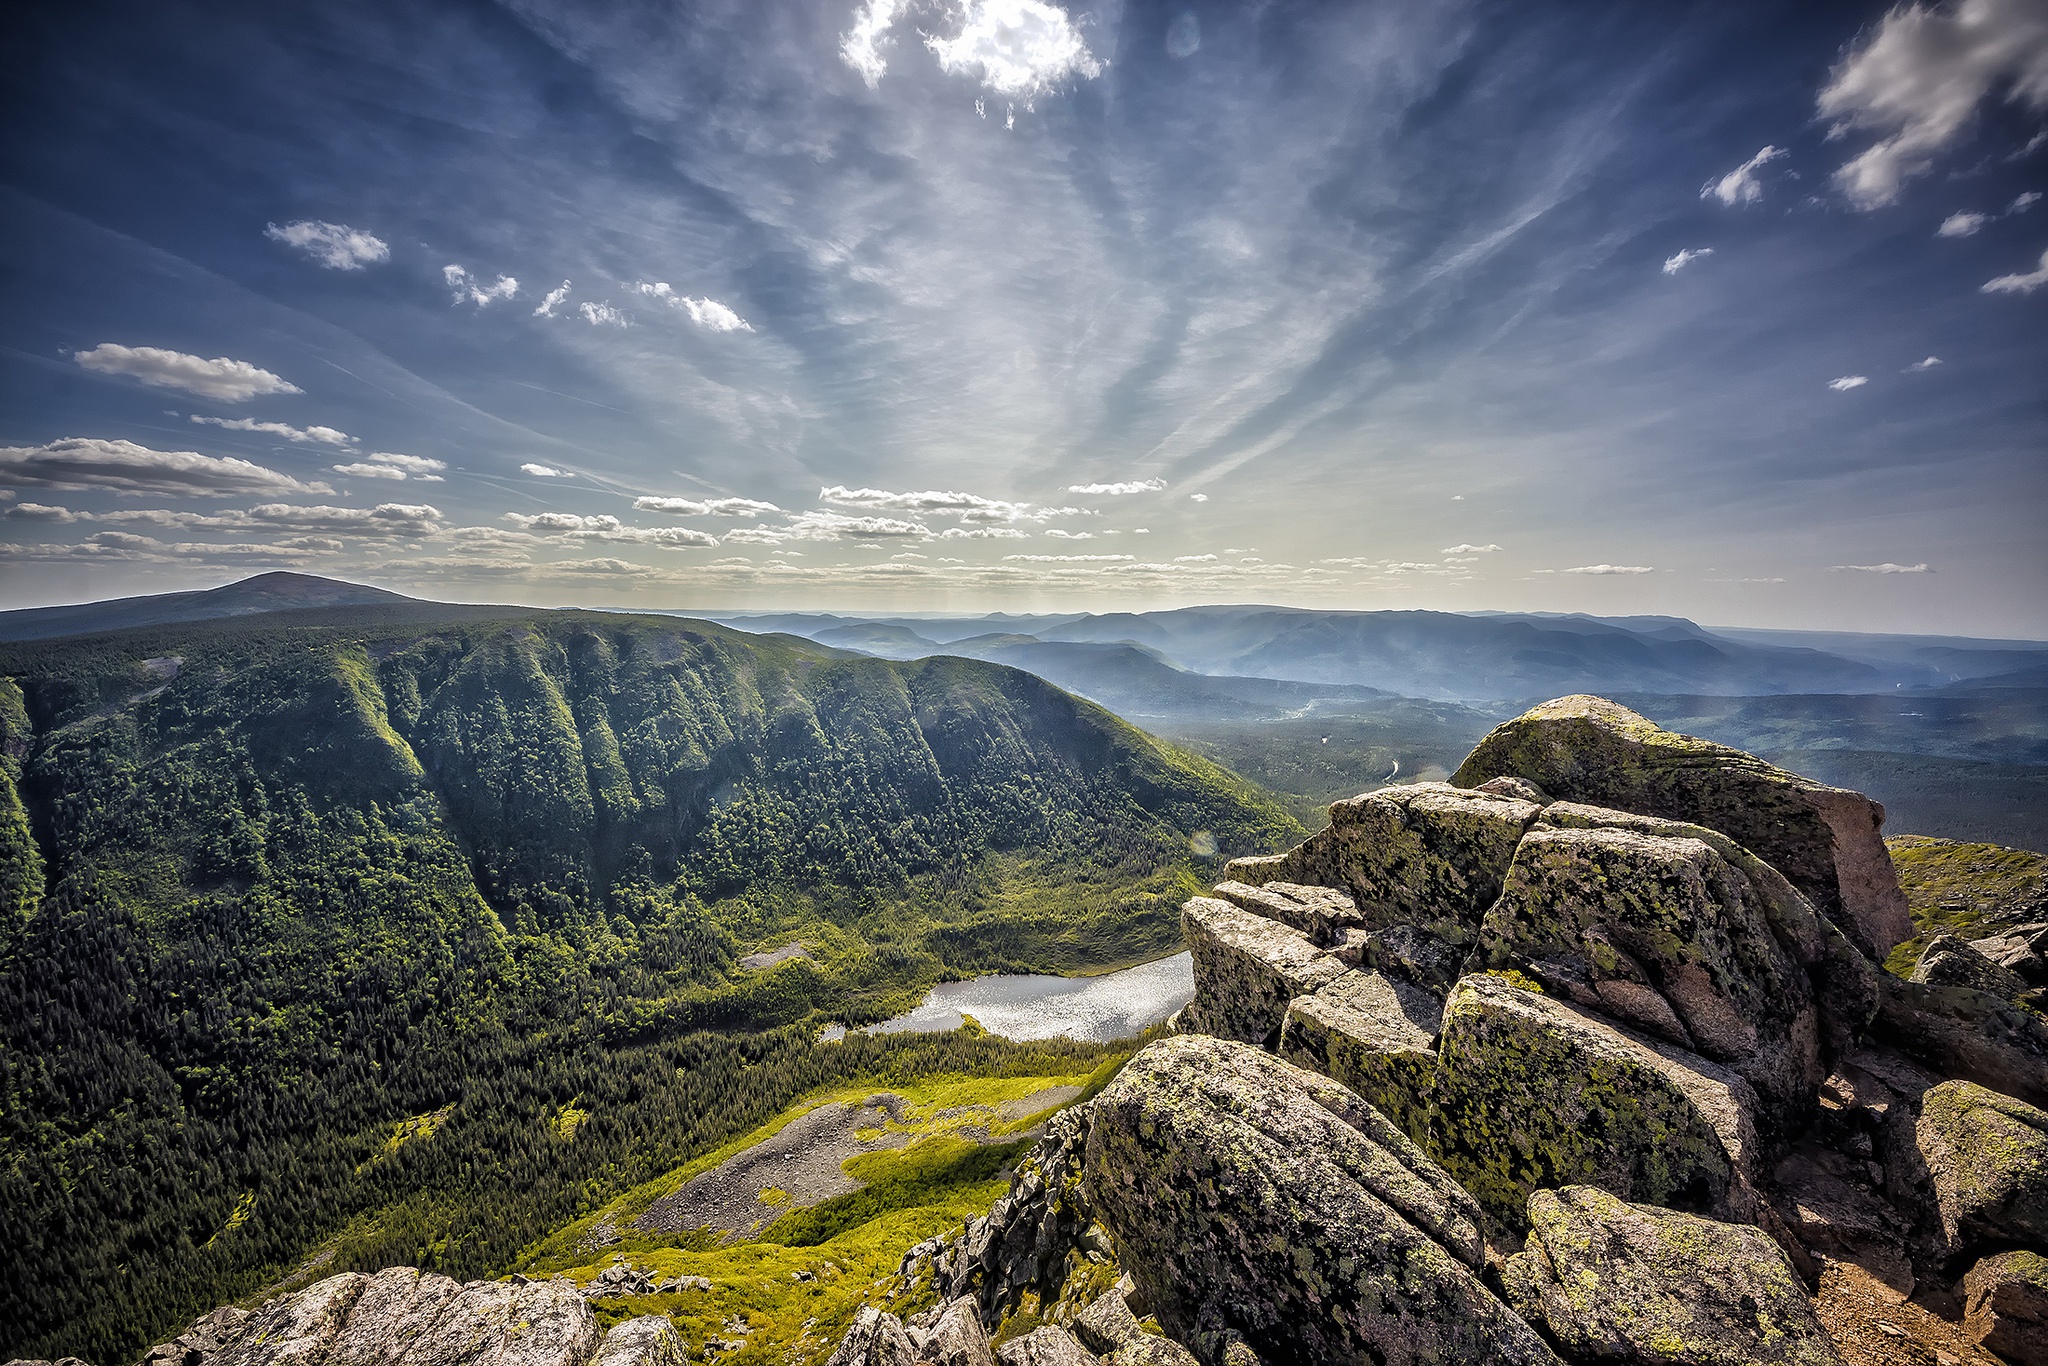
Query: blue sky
979,304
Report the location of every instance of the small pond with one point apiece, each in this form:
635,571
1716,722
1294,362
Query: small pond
1116,1005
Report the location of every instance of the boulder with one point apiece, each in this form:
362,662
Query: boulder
1149,1349
1616,1282
2005,1306
651,1340
1534,1093
1428,855
1046,1346
198,1344
2021,950
1374,1035
1247,968
1823,839
875,1339
1987,1161
1663,932
1404,953
958,1339
1107,1323
1263,1208
1948,961
1321,913
1967,1033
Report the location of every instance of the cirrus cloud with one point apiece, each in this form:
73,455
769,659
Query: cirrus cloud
336,246
1886,568
2019,284
1117,489
1739,186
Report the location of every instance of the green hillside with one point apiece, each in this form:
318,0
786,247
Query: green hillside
313,929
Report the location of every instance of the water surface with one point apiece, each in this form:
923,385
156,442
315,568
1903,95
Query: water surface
1116,1005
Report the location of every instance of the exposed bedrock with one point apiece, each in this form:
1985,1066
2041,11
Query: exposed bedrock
1247,968
1825,840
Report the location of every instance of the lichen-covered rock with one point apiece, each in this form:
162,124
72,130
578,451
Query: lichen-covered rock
1948,961
2021,950
1374,1035
958,1339
1616,1282
1247,968
1259,1204
1047,1346
198,1344
1823,839
1663,932
1966,1033
1987,1160
2005,1306
1406,954
1107,1322
1149,1349
1534,1093
651,1340
875,1338
1321,913
1428,855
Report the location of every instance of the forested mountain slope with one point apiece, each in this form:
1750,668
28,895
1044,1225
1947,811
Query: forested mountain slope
273,886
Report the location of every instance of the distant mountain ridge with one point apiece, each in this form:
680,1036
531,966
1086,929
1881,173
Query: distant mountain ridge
281,591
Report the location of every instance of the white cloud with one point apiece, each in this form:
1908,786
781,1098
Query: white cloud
1961,224
228,381
392,465
1128,486
1059,535
573,526
78,462
1917,366
981,533
468,289
325,436
1848,382
1070,559
709,507
1740,186
2020,284
1610,569
544,471
706,313
384,520
601,314
860,47
833,526
552,300
2024,202
1019,48
334,245
1194,559
41,512
1885,568
1470,549
1198,498
1919,79
563,521
1685,257
969,507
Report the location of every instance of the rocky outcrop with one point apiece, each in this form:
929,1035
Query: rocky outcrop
2005,1306
1967,1033
1987,1160
1823,839
1532,1092
1321,913
1045,1347
1247,968
649,1340
876,1338
1257,1202
1948,961
1615,1282
1376,1036
958,1339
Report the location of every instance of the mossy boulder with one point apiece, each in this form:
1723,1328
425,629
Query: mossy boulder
875,1338
1428,855
1321,913
1948,961
2005,1306
651,1340
1624,1283
1825,840
1987,1161
1261,1206
1966,1033
1534,1093
1376,1036
1663,932
1247,968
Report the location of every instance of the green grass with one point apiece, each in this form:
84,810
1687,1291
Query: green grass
1966,889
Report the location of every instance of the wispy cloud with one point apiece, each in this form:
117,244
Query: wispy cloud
968,507
543,471
1126,486
2024,201
709,507
1018,48
552,300
124,467
1962,224
1610,569
334,245
392,465
1684,258
1845,383
220,379
468,289
1919,79
1919,365
2019,284
603,315
1070,559
862,46
304,436
1741,186
707,313
1885,568
1470,549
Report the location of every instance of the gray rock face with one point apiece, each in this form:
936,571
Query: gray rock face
1045,1347
1373,1035
1987,1159
1663,932
1107,1323
1616,1282
1534,1093
958,1338
1321,913
1967,1033
199,1343
1824,840
2005,1306
1430,855
1405,954
1951,962
1261,1205
650,1340
874,1339
1247,968
2021,950
1149,1349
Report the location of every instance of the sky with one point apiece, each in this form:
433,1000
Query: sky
1736,311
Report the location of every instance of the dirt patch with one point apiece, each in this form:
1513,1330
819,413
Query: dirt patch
802,1161
1875,1326
771,957
1011,1111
